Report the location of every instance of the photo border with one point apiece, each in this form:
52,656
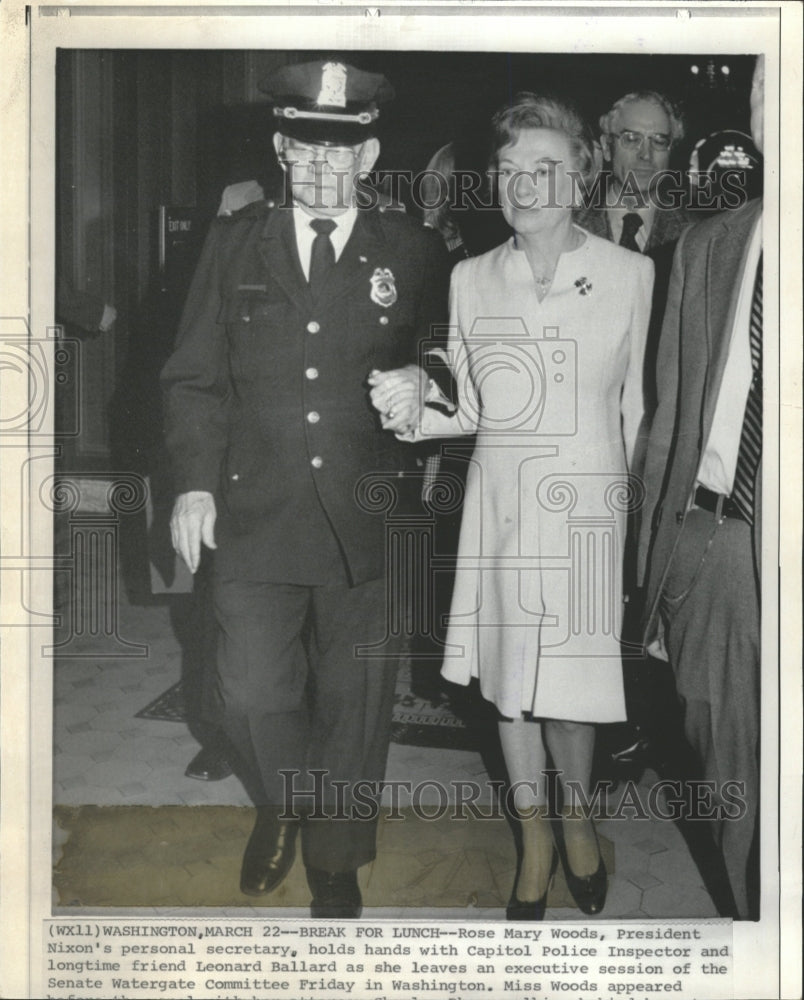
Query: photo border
31,35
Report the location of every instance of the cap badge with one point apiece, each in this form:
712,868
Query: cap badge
333,85
383,287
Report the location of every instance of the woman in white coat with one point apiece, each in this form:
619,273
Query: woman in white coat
546,346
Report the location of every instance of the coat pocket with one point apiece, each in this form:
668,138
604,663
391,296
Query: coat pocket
689,558
252,319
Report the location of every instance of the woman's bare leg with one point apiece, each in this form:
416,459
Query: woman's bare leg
571,746
526,759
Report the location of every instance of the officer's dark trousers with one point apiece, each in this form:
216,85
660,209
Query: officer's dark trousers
297,696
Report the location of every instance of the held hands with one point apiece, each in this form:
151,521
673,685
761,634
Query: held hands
193,522
399,396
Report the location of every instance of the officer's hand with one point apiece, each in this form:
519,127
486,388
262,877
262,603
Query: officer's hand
193,522
398,395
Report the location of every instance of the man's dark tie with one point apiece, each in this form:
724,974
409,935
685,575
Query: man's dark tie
750,449
631,224
322,258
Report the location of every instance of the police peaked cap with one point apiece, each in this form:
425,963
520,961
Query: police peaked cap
327,102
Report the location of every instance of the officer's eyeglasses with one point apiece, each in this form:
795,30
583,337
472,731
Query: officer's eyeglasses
659,141
338,157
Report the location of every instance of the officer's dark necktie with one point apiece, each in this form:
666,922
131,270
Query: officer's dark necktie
631,224
322,258
750,449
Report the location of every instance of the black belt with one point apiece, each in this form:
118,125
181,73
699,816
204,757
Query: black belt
708,500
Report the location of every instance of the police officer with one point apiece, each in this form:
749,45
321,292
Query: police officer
279,460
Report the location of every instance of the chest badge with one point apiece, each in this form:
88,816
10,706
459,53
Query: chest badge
383,287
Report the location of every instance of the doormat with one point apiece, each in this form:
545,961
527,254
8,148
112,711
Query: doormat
190,856
417,720
168,707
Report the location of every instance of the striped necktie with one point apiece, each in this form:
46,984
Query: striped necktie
750,449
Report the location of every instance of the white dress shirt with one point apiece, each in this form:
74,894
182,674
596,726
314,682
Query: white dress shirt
719,458
344,224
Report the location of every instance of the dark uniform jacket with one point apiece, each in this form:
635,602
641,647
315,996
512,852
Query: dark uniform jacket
267,405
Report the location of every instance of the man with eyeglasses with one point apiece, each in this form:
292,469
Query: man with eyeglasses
283,469
637,138
638,134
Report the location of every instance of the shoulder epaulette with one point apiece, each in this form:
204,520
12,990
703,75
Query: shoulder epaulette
253,210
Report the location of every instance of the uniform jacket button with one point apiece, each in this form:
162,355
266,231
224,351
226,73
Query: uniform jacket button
317,462
311,373
313,327
384,320
313,417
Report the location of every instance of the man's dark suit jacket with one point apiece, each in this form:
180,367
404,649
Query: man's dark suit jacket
668,225
698,321
267,405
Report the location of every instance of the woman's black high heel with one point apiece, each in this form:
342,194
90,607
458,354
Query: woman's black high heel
519,909
588,891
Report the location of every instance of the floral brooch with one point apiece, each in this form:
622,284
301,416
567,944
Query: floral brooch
383,287
584,286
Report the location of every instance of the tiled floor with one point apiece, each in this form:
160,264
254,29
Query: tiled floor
105,756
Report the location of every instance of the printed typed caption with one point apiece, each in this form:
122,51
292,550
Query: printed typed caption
263,960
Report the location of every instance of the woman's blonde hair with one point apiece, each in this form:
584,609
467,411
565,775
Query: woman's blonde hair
528,110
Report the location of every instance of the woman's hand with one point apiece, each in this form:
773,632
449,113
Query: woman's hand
398,396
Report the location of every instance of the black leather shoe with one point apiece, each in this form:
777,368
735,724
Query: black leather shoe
588,891
335,894
519,909
269,854
209,764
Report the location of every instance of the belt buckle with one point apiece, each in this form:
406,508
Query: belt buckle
720,502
